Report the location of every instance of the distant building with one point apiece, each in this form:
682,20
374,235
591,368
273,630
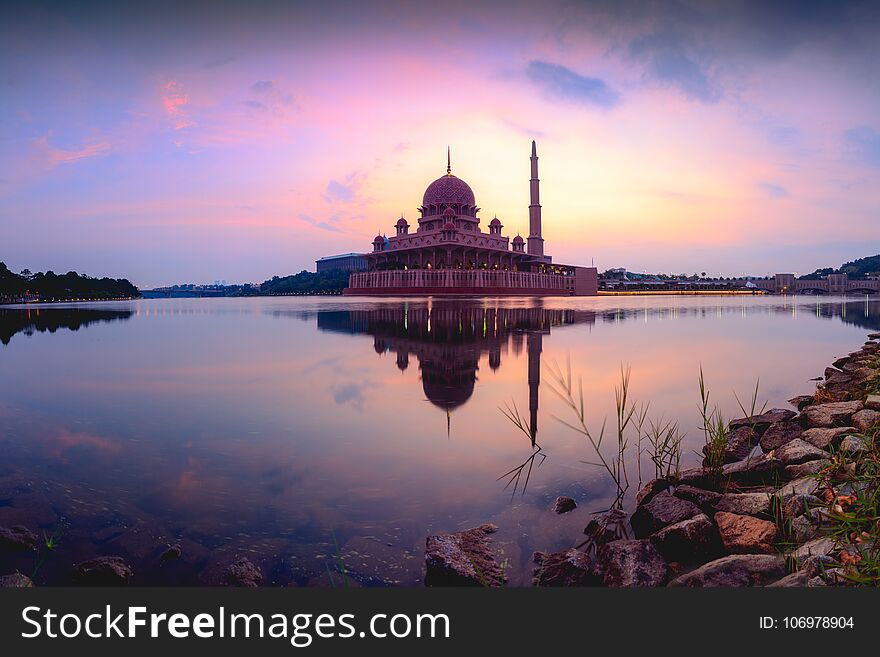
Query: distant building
343,261
448,253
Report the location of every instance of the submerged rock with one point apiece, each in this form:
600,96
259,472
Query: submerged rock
567,568
16,581
564,504
663,510
745,534
832,414
462,559
628,563
17,539
735,570
102,571
780,433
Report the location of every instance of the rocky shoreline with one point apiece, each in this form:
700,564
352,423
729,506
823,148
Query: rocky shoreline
772,516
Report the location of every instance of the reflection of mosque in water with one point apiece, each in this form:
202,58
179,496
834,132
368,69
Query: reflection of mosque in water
448,340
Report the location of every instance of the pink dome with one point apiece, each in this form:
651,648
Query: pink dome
402,222
518,240
495,222
378,238
449,212
448,189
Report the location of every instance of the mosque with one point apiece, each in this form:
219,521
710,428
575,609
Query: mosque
449,254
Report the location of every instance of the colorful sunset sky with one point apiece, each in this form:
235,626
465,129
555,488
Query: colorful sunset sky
190,142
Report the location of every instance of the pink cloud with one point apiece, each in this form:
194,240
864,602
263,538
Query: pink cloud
175,100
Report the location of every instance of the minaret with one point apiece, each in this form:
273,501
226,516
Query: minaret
534,343
535,241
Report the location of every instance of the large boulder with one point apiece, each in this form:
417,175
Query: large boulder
464,558
649,490
627,563
735,570
855,444
688,541
740,442
17,539
744,504
102,571
823,437
762,422
663,510
832,414
865,419
755,469
745,534
705,499
567,568
780,433
799,451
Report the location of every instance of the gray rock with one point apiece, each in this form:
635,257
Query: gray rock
873,402
735,570
628,563
649,490
694,539
802,530
865,419
804,485
780,433
818,547
564,504
567,568
832,414
705,499
841,362
745,504
102,571
663,510
798,451
804,469
801,401
824,437
16,581
761,422
799,578
740,442
17,539
464,558
799,504
855,444
755,469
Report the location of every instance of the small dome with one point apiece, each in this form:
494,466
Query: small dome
378,238
449,226
449,212
518,240
402,222
495,222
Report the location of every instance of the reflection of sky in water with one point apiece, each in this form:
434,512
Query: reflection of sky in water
285,422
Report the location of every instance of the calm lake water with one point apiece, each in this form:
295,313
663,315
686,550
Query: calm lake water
315,433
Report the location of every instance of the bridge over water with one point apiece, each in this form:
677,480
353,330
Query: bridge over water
833,284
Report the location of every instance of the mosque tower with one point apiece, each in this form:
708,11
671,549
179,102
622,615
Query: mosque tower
535,241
